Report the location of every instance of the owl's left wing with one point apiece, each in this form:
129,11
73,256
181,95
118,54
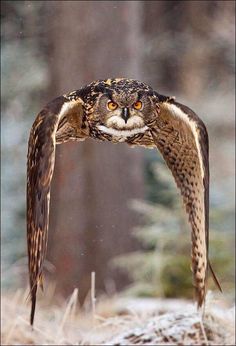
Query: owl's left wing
182,139
60,121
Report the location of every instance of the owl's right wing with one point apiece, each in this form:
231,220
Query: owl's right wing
61,120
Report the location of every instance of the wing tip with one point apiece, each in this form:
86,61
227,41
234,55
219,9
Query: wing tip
33,306
201,293
32,312
216,281
201,298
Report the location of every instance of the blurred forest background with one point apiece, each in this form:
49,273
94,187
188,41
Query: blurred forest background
115,210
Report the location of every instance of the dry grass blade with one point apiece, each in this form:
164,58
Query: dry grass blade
118,321
70,308
93,297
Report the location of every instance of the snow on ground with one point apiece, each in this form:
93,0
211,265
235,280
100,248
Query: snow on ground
117,321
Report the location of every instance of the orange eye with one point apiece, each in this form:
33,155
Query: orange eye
112,105
138,105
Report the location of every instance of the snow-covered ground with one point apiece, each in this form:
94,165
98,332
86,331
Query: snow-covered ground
117,321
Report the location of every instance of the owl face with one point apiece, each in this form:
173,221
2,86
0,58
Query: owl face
123,114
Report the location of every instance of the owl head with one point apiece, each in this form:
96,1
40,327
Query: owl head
123,106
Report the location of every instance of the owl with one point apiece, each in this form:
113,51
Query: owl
120,110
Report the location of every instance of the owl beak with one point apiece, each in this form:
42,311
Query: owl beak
125,114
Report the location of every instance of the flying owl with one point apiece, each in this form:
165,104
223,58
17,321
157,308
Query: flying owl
120,110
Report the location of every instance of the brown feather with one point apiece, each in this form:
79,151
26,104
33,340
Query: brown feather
40,166
174,129
182,139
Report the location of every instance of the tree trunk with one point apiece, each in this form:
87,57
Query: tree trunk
93,182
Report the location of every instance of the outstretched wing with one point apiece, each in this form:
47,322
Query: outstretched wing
60,121
182,139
